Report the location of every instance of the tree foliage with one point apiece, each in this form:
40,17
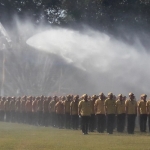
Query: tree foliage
104,13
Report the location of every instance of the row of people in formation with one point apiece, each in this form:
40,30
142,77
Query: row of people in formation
66,111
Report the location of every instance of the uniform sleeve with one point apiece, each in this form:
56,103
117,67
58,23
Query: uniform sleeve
147,104
80,105
105,103
139,104
126,103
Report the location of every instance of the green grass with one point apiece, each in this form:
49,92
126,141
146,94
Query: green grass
25,137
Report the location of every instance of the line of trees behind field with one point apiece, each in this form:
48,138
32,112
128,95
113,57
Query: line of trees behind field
106,14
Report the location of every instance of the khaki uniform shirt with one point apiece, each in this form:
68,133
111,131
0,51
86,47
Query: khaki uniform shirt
59,107
22,105
6,105
52,106
131,106
85,108
12,105
99,106
120,107
45,106
110,104
17,105
34,106
28,106
148,106
39,105
92,106
74,108
2,108
67,106
142,107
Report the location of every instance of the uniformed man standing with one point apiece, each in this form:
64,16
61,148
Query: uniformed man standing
52,111
28,108
12,109
74,112
120,112
17,109
34,111
67,111
92,117
100,113
7,109
45,112
110,111
84,110
148,113
59,108
131,111
142,112
39,109
22,109
2,109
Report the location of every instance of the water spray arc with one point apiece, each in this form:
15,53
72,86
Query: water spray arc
110,64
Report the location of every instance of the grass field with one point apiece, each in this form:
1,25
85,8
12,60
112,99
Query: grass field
25,137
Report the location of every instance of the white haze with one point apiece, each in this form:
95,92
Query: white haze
111,64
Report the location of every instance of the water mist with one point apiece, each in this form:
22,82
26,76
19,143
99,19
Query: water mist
109,64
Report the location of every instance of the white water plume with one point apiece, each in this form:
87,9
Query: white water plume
111,64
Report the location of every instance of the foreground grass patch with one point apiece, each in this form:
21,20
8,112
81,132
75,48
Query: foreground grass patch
25,137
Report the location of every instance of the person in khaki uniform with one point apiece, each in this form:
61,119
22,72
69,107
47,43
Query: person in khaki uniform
67,111
120,112
100,113
52,111
39,109
28,108
2,109
142,112
74,112
92,117
148,113
49,98
22,109
12,109
45,112
34,111
17,109
7,109
110,111
59,108
131,111
84,110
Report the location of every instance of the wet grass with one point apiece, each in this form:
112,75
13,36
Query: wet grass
26,137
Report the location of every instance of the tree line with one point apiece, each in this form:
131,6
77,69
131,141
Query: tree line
106,14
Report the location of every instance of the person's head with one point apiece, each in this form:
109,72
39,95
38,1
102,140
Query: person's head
94,97
131,96
110,95
55,98
120,97
143,97
85,97
75,98
124,98
68,97
101,95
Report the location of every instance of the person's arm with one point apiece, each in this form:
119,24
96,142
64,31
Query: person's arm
95,107
138,108
71,108
147,107
79,108
126,107
105,107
